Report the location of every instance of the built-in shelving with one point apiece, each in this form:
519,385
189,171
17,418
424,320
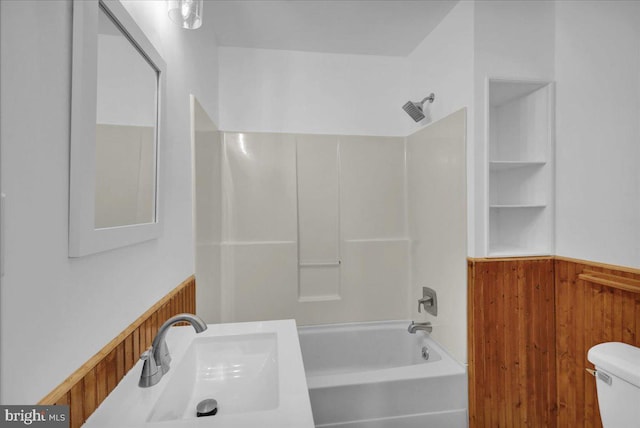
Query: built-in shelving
520,204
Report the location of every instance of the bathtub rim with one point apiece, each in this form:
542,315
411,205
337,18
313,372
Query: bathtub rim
446,366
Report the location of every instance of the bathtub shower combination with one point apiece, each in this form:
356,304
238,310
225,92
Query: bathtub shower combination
377,375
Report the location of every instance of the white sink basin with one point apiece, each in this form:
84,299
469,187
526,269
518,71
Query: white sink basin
253,370
240,372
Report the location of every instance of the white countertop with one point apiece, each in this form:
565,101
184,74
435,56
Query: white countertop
130,406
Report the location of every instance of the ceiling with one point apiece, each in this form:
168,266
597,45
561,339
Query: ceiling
378,27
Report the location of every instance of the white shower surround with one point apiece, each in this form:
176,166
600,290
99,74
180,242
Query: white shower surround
401,225
260,232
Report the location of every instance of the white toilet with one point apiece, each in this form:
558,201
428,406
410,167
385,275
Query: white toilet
618,383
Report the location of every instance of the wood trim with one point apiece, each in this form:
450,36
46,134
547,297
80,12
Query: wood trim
592,264
471,345
88,386
508,259
611,280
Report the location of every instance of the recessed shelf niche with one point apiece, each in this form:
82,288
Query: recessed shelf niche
520,203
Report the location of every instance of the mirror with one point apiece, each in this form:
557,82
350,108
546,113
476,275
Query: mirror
125,130
115,126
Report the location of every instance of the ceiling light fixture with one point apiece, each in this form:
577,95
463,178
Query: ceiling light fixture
186,13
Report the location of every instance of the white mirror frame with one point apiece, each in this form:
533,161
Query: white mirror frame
84,238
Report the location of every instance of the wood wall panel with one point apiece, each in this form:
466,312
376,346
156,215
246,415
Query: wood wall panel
512,366
531,324
587,314
88,386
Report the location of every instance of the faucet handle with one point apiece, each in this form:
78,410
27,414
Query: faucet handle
146,354
150,373
426,301
429,301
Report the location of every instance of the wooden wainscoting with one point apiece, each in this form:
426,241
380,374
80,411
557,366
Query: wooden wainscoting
531,324
88,386
595,303
511,340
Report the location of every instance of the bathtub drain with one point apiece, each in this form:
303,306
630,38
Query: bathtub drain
425,353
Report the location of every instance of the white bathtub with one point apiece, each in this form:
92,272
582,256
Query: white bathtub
373,375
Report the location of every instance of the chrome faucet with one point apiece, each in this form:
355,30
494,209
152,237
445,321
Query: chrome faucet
156,358
424,326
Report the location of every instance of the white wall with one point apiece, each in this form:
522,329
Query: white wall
314,93
592,50
57,312
443,63
512,39
598,132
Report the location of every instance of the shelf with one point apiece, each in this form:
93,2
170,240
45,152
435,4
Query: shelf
505,91
504,165
520,168
518,206
516,252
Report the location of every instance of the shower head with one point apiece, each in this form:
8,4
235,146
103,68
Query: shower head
415,110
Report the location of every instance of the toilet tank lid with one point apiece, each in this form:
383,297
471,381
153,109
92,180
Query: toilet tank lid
619,359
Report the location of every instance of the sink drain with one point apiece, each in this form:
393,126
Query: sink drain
208,407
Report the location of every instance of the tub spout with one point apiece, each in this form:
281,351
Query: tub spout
424,326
